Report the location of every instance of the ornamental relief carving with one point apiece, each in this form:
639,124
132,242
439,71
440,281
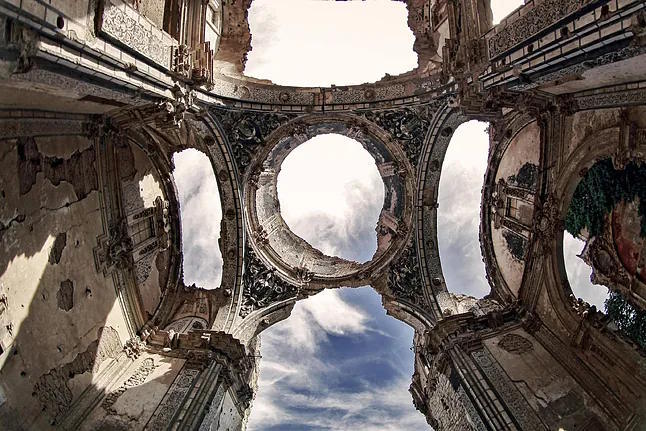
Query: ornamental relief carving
408,126
248,131
116,22
262,286
515,344
405,278
532,22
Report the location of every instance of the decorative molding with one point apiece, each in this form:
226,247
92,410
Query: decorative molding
533,21
408,126
173,399
247,131
516,344
405,278
262,286
507,391
608,100
135,32
565,73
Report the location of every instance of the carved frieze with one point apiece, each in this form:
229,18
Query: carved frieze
124,24
405,278
516,344
115,250
173,399
248,131
535,20
511,396
408,126
262,286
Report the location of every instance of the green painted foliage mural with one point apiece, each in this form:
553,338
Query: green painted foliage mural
630,321
600,190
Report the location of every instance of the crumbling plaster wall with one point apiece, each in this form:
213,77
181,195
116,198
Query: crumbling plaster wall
524,148
57,304
230,418
582,125
130,401
140,184
549,389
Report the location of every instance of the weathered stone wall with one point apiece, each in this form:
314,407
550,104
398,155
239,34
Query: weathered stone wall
230,418
549,389
61,322
518,168
141,186
130,401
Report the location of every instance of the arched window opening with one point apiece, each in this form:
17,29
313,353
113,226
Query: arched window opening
331,194
503,8
458,214
201,215
338,362
608,212
314,43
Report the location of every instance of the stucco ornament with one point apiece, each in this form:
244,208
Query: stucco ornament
405,279
262,286
248,131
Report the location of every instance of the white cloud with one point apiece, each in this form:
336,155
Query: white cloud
320,43
578,273
201,214
458,216
331,194
313,319
298,385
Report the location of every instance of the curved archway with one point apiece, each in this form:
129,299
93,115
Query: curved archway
331,195
295,259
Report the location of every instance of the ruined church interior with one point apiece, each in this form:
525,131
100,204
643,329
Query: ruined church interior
101,326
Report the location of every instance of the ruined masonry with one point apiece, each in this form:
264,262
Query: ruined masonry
98,331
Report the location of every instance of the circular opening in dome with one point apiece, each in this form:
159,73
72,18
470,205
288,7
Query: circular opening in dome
336,190
331,195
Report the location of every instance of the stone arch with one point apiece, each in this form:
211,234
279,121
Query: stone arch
201,133
443,125
150,143
293,258
603,143
583,158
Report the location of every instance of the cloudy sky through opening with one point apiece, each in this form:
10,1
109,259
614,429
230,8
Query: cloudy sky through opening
338,362
201,214
331,195
578,273
458,214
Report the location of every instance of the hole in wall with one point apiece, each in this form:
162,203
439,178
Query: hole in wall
201,215
608,210
331,195
458,213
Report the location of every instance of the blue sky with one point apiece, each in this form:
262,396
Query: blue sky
338,362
